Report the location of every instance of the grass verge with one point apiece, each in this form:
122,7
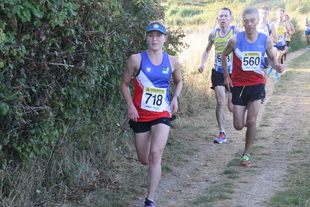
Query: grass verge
297,179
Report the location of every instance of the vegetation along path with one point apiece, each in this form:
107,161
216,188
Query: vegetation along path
211,175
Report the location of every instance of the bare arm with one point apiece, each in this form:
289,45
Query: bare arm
272,56
292,29
289,28
206,52
177,82
227,50
274,34
132,66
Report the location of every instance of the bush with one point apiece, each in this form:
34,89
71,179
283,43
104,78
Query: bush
61,63
60,104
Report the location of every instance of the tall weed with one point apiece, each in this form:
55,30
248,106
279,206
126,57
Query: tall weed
196,91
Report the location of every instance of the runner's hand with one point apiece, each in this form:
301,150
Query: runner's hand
200,69
279,68
228,83
133,113
174,105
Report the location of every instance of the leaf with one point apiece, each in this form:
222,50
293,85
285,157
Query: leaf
71,50
63,91
27,36
4,109
26,16
31,155
38,23
37,13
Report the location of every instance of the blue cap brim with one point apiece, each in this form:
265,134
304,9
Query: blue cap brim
156,27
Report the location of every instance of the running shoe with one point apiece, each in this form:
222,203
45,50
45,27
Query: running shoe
269,71
284,56
149,203
221,138
276,75
245,160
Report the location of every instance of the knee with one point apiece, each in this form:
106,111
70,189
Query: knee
220,102
155,158
251,122
238,126
143,158
143,161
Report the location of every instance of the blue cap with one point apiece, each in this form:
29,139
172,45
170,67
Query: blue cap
156,27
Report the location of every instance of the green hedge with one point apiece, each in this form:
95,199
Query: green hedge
61,63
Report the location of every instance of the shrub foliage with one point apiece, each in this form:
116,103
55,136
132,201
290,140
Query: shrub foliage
61,113
61,63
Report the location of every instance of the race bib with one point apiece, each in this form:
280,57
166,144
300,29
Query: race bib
153,99
251,61
281,39
219,59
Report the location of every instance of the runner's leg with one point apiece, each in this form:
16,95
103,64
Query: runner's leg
220,106
143,143
253,109
159,134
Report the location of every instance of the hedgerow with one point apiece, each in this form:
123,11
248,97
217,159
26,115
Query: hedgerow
60,64
60,107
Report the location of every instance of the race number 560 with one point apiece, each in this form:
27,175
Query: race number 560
251,61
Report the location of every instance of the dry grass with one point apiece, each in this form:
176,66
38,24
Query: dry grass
196,90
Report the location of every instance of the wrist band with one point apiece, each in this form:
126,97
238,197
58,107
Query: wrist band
178,96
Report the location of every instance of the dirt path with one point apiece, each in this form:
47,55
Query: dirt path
210,165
